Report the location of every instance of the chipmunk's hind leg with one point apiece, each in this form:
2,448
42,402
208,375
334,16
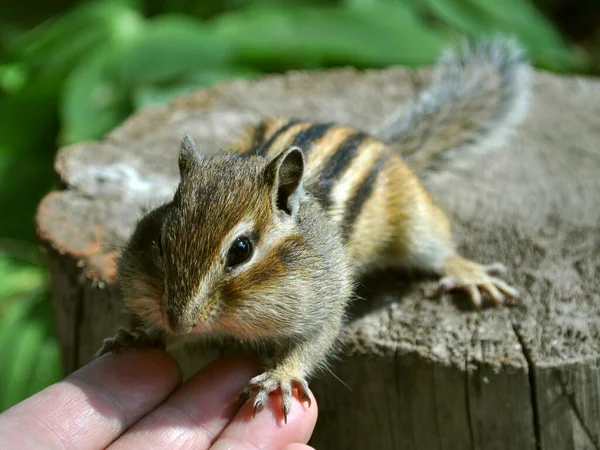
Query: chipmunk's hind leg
427,245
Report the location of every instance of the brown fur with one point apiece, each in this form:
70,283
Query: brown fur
272,268
318,217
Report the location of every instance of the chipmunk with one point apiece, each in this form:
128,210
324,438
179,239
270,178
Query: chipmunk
264,243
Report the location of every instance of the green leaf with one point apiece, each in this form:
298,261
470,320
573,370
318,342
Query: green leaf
144,95
398,33
27,338
518,18
11,324
32,108
93,101
12,77
460,15
58,45
47,369
30,355
27,143
18,279
171,46
25,349
373,35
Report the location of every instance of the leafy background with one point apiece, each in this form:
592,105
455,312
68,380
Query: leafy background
72,70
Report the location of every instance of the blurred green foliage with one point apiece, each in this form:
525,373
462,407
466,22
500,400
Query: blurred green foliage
72,70
30,354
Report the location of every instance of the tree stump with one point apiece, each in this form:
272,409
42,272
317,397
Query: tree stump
417,373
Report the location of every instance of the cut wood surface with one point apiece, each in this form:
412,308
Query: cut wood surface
417,372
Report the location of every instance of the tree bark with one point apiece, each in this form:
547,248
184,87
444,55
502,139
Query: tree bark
416,372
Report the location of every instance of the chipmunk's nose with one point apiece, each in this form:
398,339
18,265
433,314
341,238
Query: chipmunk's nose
175,321
173,313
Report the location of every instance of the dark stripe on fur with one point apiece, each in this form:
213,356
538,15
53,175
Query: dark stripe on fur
305,138
362,194
264,148
336,166
258,136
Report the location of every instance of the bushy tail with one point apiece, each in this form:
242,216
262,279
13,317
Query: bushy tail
479,94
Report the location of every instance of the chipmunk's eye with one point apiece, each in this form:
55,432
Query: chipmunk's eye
239,252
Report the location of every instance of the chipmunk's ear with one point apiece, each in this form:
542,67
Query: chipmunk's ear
285,173
188,155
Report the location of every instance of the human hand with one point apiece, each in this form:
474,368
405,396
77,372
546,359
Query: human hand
135,399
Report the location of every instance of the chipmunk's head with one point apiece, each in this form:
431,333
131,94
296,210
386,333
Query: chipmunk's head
229,253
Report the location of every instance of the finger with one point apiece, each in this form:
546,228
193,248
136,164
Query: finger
195,415
268,430
94,405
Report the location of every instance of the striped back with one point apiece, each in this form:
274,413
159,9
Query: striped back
342,164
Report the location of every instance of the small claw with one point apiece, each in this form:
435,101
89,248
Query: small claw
509,291
494,294
286,410
261,386
262,397
126,338
286,398
259,402
474,295
306,397
302,387
257,407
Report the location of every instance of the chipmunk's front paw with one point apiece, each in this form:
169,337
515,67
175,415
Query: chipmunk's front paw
475,279
262,385
125,338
